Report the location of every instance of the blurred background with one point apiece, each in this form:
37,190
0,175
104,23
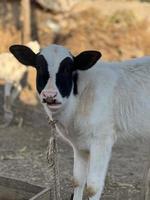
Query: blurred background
120,30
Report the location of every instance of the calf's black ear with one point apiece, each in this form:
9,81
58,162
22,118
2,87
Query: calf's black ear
86,59
23,54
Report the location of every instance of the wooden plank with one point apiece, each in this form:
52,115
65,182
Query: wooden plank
19,185
12,189
13,194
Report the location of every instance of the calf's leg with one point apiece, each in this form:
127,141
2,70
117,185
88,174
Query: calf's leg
16,92
8,114
81,159
100,153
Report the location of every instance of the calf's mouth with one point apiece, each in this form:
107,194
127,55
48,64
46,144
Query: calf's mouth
51,101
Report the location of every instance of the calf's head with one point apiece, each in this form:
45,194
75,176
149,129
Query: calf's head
56,70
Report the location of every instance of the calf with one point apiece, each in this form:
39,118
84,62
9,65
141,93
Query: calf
96,101
12,73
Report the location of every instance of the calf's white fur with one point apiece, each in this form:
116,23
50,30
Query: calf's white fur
113,101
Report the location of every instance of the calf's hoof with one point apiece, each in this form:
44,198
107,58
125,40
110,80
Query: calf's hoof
8,117
90,192
74,182
72,197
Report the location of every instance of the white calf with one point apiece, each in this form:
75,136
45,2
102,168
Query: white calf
12,72
96,101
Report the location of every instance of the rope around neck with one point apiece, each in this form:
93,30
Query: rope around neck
52,154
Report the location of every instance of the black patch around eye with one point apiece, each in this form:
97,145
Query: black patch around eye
64,77
42,73
64,84
75,85
66,65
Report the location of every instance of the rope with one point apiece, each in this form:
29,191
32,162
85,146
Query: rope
52,156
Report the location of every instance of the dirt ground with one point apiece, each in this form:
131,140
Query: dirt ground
23,153
23,149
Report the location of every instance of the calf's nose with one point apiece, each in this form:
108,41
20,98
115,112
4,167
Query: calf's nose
49,93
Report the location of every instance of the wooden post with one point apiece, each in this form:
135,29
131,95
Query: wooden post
26,20
4,11
27,96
